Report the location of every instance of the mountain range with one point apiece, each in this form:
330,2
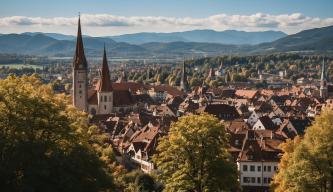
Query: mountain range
202,36
169,44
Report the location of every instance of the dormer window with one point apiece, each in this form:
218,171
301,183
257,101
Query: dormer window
236,142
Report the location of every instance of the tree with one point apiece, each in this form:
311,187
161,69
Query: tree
195,82
44,142
288,148
308,164
194,156
145,183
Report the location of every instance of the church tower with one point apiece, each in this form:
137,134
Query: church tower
183,81
323,82
104,90
80,74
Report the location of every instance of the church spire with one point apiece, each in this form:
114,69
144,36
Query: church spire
183,81
80,74
80,61
323,71
105,81
323,82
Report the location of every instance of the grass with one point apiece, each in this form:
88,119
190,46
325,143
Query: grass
20,66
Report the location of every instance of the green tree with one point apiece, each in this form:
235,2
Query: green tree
195,82
309,164
145,183
44,143
194,156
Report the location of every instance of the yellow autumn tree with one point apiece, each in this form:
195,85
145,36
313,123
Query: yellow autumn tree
194,156
307,165
44,142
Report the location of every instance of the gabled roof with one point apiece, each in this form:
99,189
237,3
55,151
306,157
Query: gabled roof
258,147
220,110
267,122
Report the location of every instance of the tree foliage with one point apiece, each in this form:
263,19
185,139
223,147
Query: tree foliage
194,156
307,165
44,143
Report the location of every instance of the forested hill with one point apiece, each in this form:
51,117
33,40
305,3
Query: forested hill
313,40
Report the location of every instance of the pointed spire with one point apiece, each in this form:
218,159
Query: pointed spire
323,70
221,65
323,82
105,81
183,81
80,61
183,71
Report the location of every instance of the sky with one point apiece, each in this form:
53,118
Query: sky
114,17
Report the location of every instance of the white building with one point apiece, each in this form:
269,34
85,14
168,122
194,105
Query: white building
258,160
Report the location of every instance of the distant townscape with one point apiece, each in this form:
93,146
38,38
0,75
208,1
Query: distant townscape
168,123
258,119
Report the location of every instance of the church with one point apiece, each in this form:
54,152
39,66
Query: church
101,98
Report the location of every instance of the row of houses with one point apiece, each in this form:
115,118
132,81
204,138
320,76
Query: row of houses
258,121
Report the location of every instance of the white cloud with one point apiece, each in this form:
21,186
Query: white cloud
289,23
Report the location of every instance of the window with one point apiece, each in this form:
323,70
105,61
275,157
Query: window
259,168
264,168
265,179
252,168
275,168
258,180
105,98
236,142
105,107
269,169
269,180
253,179
244,167
80,92
246,179
101,99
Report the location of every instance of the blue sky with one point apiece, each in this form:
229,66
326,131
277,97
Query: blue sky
302,15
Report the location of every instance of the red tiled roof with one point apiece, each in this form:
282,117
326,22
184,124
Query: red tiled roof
170,90
130,86
122,97
249,94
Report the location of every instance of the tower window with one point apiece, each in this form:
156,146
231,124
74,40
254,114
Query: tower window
105,98
80,92
80,85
